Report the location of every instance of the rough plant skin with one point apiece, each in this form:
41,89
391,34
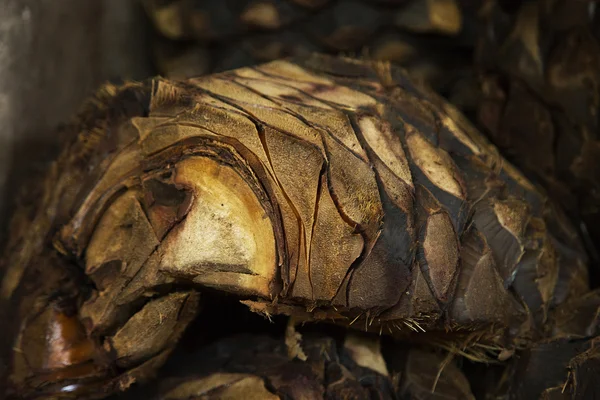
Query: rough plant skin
324,188
527,71
540,87
431,38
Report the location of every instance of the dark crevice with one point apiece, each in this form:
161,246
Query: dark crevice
314,224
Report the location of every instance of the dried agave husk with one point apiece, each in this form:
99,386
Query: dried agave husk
348,367
557,369
432,38
539,80
426,374
328,189
342,25
257,366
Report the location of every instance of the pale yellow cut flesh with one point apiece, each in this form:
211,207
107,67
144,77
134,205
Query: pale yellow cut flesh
226,241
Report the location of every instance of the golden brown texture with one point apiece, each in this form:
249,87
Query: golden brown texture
324,188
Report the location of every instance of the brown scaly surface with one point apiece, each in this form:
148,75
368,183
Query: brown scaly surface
538,66
527,72
540,95
324,188
432,38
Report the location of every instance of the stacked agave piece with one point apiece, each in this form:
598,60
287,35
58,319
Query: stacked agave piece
432,38
397,252
540,88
